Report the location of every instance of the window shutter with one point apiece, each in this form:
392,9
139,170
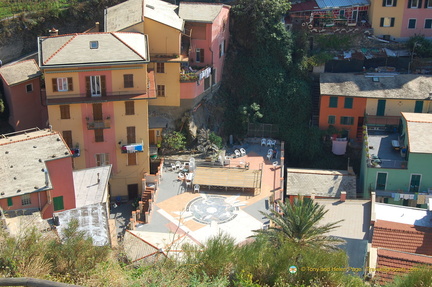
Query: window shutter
384,3
426,3
392,20
394,3
70,84
88,88
54,84
382,22
103,86
409,3
202,56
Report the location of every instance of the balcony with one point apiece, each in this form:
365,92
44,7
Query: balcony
381,151
101,124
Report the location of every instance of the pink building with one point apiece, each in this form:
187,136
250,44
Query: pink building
206,40
22,91
35,174
417,19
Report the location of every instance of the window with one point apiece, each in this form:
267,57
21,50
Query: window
161,90
428,3
347,121
348,103
64,112
412,23
58,203
62,84
381,181
67,136
160,67
428,24
387,22
99,135
102,159
25,199
97,112
132,159
415,182
94,44
389,3
95,86
207,82
29,88
222,48
129,108
9,201
381,108
413,3
342,14
333,102
199,55
130,135
331,120
128,81
418,108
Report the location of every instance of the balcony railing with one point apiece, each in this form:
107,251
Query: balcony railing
102,124
387,163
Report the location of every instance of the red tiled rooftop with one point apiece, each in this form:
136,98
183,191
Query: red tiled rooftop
392,263
402,237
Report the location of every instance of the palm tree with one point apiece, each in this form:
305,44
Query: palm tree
298,223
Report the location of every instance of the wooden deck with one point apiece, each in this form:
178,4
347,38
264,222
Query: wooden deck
233,178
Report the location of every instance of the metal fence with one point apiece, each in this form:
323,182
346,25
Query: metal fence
263,130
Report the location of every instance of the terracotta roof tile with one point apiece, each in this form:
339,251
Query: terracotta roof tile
402,237
393,263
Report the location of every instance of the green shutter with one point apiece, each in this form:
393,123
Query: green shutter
331,120
348,103
58,203
333,102
9,201
418,107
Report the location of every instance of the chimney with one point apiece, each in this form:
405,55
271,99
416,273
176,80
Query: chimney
343,196
53,32
97,27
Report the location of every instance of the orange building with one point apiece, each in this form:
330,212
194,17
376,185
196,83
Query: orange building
98,87
348,101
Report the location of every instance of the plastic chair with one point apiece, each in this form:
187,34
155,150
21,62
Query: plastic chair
270,151
243,152
173,166
237,153
273,142
269,156
181,176
263,142
196,188
178,165
269,142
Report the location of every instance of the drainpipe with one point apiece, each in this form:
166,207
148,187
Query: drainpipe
211,86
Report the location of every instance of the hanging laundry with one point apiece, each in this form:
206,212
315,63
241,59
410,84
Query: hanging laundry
421,199
396,196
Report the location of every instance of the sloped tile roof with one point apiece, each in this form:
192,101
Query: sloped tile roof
22,161
417,124
402,237
75,49
200,12
394,86
132,12
324,183
392,263
20,72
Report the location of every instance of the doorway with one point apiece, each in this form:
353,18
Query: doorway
132,191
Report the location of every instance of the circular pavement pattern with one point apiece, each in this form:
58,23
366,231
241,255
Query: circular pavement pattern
212,208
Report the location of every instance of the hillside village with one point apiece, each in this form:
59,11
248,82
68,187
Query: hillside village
98,124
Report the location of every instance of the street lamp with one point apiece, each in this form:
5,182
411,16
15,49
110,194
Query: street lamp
412,55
